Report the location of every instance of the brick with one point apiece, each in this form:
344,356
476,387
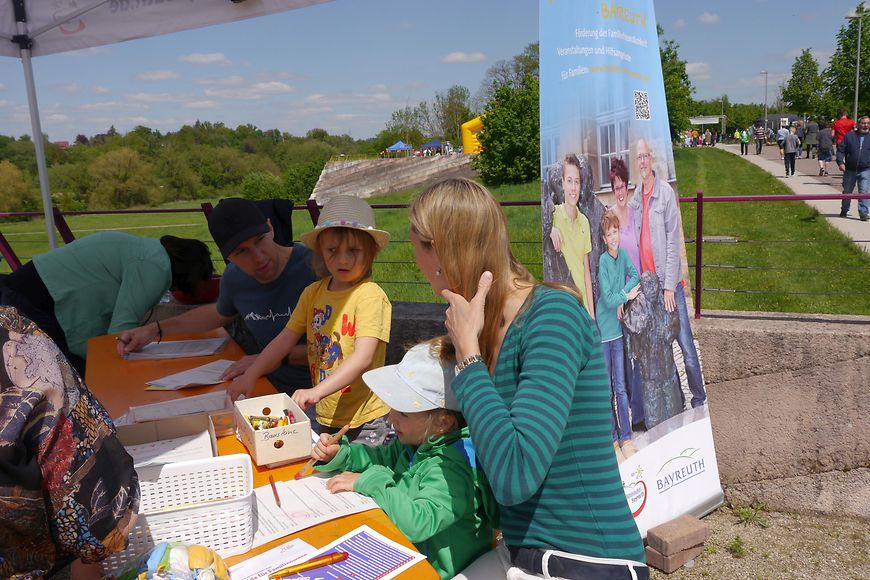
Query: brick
677,535
668,564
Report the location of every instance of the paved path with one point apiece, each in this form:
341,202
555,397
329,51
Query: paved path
806,181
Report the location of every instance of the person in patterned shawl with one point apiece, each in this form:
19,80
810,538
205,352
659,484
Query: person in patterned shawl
67,486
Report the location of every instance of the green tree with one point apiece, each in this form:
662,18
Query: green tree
121,179
510,72
16,189
510,136
299,181
451,109
678,87
261,185
839,76
803,91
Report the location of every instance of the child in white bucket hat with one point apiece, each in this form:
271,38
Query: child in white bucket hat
427,480
345,318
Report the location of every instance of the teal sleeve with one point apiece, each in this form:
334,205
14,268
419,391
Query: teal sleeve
142,285
611,294
516,440
629,271
442,493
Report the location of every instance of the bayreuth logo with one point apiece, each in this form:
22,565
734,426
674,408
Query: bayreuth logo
680,469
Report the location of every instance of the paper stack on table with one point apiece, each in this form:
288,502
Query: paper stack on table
178,349
207,374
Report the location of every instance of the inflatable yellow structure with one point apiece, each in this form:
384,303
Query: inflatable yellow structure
470,129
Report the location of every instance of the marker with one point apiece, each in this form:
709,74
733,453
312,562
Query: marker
274,490
119,339
319,561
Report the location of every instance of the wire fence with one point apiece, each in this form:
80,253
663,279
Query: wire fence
400,273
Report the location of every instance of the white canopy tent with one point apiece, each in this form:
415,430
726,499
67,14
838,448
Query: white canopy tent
31,28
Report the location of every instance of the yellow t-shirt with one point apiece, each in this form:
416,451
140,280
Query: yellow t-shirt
576,243
331,321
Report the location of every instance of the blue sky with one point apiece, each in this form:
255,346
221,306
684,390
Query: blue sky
346,65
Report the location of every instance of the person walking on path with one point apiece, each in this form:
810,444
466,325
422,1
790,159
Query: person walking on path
790,147
745,135
842,126
780,140
811,137
853,158
759,138
826,147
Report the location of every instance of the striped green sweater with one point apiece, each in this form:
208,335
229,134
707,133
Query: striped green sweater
541,427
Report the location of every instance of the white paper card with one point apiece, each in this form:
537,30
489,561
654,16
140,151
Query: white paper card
178,349
171,450
259,566
207,374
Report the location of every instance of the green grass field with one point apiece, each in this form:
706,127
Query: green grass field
790,274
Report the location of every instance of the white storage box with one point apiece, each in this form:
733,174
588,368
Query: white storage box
207,502
277,445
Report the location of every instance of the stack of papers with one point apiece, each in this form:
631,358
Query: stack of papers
178,349
171,450
207,374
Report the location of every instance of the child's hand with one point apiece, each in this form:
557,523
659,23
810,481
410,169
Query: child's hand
243,385
342,482
619,312
324,450
556,238
306,397
632,294
238,368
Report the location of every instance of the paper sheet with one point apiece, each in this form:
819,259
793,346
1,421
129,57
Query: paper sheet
275,559
178,349
206,403
207,374
171,450
304,503
372,556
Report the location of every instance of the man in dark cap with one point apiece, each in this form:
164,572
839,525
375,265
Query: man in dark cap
262,283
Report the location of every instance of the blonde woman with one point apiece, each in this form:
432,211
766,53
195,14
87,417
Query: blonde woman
533,387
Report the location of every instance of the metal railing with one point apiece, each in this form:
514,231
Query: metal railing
314,211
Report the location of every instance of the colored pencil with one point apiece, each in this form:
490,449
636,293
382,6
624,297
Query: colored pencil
308,466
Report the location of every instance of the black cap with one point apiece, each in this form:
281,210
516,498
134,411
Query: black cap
233,221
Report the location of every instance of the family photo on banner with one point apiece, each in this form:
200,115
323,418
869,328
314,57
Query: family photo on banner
612,229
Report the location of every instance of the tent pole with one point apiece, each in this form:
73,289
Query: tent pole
36,129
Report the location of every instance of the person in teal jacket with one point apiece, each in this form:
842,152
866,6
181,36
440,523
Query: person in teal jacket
427,480
619,283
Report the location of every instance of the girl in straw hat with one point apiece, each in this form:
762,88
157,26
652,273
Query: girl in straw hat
345,317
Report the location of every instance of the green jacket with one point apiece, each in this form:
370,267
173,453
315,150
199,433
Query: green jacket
435,494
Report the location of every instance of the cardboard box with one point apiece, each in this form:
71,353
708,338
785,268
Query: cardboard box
278,445
154,438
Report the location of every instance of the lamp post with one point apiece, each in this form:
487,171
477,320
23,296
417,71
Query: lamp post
764,72
859,16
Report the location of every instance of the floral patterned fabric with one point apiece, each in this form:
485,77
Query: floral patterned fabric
67,486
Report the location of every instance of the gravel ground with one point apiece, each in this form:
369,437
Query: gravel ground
780,545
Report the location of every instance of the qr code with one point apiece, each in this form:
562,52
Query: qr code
641,106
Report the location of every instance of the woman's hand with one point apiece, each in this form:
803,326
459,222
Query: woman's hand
464,320
342,482
556,238
324,450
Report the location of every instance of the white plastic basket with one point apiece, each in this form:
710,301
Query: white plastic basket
206,501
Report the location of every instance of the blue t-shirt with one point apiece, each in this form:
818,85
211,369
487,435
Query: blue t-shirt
266,308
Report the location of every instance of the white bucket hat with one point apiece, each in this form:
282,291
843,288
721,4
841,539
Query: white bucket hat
418,383
346,211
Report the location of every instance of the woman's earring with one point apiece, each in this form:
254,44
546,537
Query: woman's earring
438,272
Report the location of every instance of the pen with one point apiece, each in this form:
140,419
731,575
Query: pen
119,339
274,490
307,467
324,560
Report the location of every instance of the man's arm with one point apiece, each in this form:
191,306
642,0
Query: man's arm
200,319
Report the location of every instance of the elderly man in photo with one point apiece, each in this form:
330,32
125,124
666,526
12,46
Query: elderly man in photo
853,159
262,284
658,231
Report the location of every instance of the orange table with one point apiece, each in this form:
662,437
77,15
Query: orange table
120,384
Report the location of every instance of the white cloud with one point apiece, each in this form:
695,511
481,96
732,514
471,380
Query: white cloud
708,18
102,90
68,88
347,116
215,58
207,104
698,71
153,98
57,117
463,57
2,87
678,24
252,92
5,103
157,75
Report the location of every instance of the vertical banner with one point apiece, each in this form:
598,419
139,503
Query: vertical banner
612,228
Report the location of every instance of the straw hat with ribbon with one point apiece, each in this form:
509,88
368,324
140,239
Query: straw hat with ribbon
346,211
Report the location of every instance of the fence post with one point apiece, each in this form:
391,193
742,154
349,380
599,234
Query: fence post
62,226
313,211
699,254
